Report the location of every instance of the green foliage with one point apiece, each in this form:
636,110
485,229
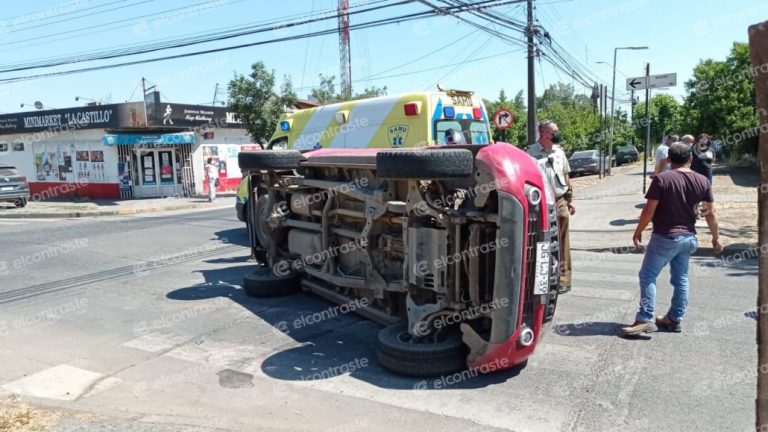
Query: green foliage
665,118
721,101
575,115
325,93
254,100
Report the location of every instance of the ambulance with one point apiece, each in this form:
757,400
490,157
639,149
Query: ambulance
417,119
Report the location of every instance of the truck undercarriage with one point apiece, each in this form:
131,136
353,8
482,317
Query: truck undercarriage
455,250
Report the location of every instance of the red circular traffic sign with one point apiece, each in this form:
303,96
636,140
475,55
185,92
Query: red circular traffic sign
503,119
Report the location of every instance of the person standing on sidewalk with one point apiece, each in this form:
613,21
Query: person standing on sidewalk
671,205
662,163
552,158
212,176
703,157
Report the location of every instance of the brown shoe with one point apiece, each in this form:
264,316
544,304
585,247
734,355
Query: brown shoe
668,324
639,327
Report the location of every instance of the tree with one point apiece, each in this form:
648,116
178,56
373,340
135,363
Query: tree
325,93
665,118
721,100
254,100
575,116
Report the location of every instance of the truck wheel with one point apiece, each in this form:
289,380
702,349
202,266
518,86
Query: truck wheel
425,164
262,282
21,202
269,160
399,352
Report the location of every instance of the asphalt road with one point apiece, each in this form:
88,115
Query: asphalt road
141,321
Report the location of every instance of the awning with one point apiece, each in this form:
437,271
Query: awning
149,139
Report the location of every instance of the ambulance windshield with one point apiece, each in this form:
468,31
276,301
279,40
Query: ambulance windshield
461,132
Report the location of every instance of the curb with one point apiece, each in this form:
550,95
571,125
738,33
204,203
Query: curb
89,213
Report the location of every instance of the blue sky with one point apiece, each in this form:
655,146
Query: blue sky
679,34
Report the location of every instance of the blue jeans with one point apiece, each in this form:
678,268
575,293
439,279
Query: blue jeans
662,251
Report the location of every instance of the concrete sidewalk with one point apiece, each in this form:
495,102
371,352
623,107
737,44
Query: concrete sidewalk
608,211
72,209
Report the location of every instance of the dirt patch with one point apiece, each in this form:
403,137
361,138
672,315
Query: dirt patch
17,416
738,222
736,189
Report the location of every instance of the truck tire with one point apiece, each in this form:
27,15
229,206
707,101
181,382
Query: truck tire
269,160
397,352
426,164
262,282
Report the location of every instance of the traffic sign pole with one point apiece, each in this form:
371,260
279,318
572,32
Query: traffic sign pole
647,123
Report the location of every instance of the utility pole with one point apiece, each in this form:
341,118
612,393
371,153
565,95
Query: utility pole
215,93
344,52
531,78
144,99
647,123
600,166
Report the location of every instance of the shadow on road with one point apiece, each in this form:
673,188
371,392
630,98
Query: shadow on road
622,222
589,329
331,342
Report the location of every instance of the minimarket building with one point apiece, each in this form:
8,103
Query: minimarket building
122,151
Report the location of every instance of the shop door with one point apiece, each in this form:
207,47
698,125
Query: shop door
157,176
166,167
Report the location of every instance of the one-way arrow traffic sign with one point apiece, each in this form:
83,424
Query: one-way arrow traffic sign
652,82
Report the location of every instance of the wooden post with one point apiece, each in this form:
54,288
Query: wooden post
758,47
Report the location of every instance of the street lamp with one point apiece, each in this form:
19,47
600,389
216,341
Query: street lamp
38,105
96,102
613,94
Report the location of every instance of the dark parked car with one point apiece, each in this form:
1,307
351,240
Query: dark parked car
587,162
13,186
627,154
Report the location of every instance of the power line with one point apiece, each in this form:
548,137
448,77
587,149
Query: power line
81,16
144,49
370,24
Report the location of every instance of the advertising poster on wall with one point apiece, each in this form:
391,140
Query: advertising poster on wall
98,173
83,164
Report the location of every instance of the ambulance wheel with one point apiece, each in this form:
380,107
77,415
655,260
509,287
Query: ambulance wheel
431,355
269,160
429,164
263,282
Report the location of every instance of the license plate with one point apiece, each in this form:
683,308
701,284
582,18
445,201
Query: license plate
5,188
541,283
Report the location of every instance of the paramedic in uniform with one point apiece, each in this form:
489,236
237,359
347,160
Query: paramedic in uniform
552,157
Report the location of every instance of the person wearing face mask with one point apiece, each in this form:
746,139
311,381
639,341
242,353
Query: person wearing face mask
555,163
703,156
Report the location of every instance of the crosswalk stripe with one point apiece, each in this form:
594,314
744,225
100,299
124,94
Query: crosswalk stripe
604,265
603,277
607,294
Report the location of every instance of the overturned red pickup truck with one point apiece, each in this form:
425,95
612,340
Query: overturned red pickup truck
453,248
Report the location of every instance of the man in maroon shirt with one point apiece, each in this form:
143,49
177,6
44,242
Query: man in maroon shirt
671,204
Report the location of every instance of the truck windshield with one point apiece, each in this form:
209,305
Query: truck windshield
459,132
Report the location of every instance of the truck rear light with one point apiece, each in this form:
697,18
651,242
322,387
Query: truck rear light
411,108
477,113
